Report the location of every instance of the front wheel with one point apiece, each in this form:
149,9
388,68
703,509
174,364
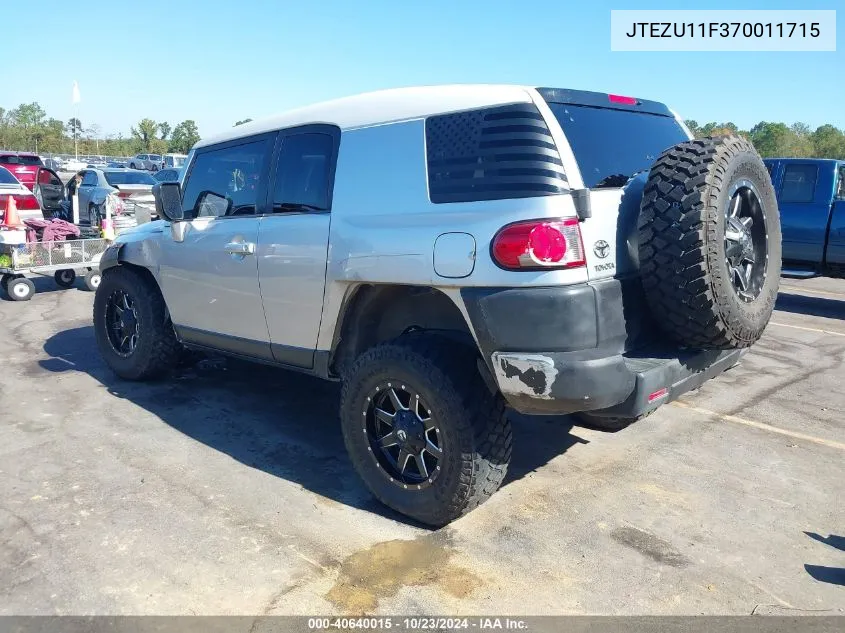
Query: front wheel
133,333
422,429
20,289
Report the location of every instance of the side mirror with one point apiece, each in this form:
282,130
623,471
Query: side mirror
168,199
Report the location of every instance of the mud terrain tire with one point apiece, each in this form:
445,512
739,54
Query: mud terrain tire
474,430
710,243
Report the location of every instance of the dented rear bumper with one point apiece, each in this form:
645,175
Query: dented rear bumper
619,385
585,347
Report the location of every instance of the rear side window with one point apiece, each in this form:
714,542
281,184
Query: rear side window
302,173
224,182
492,154
799,183
90,178
840,190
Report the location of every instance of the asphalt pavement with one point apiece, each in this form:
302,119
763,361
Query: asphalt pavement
227,490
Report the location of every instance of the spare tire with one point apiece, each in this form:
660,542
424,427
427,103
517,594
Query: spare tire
709,243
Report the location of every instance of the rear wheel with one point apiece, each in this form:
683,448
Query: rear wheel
131,327
422,429
65,278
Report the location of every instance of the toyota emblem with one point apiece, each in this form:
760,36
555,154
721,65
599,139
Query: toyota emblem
601,249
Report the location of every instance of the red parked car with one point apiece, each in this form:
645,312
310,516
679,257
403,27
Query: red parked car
23,165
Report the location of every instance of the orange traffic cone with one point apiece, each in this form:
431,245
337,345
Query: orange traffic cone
11,217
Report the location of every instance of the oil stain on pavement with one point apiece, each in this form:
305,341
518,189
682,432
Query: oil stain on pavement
381,570
650,546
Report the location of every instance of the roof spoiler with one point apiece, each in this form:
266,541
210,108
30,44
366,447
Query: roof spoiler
603,100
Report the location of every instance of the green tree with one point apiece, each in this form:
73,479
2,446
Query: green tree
828,142
75,127
164,129
28,118
771,139
692,124
145,133
184,136
241,122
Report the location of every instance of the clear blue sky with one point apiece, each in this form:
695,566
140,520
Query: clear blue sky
220,61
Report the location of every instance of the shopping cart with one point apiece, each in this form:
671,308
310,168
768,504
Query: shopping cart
61,258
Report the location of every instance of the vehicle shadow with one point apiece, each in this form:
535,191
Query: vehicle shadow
281,422
830,575
813,306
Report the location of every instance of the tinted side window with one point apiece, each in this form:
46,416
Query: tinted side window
799,183
225,181
90,178
302,172
492,154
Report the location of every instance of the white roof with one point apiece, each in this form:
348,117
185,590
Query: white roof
383,106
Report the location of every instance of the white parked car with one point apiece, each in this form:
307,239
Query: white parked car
150,162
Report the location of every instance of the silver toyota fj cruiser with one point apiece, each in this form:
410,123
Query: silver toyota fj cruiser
446,253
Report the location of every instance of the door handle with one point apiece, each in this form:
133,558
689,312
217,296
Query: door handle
240,248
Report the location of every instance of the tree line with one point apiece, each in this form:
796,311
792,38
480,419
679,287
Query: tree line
28,128
780,140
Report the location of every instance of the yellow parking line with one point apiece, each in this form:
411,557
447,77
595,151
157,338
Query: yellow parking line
807,329
762,426
827,293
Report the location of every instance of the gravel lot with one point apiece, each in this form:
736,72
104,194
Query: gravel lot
227,491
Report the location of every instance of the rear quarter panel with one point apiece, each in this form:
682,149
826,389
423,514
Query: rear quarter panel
384,227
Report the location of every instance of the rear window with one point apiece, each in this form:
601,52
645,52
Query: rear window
13,159
6,177
115,178
612,145
799,183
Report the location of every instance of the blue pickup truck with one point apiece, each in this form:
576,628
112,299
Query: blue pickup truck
811,198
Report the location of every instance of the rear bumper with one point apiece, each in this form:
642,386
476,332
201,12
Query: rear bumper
618,385
586,347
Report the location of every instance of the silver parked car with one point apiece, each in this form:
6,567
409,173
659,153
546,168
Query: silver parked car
448,252
132,187
148,162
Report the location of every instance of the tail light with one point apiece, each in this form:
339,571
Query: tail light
539,244
26,203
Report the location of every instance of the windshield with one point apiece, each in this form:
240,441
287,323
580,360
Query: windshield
14,159
115,178
612,145
6,177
